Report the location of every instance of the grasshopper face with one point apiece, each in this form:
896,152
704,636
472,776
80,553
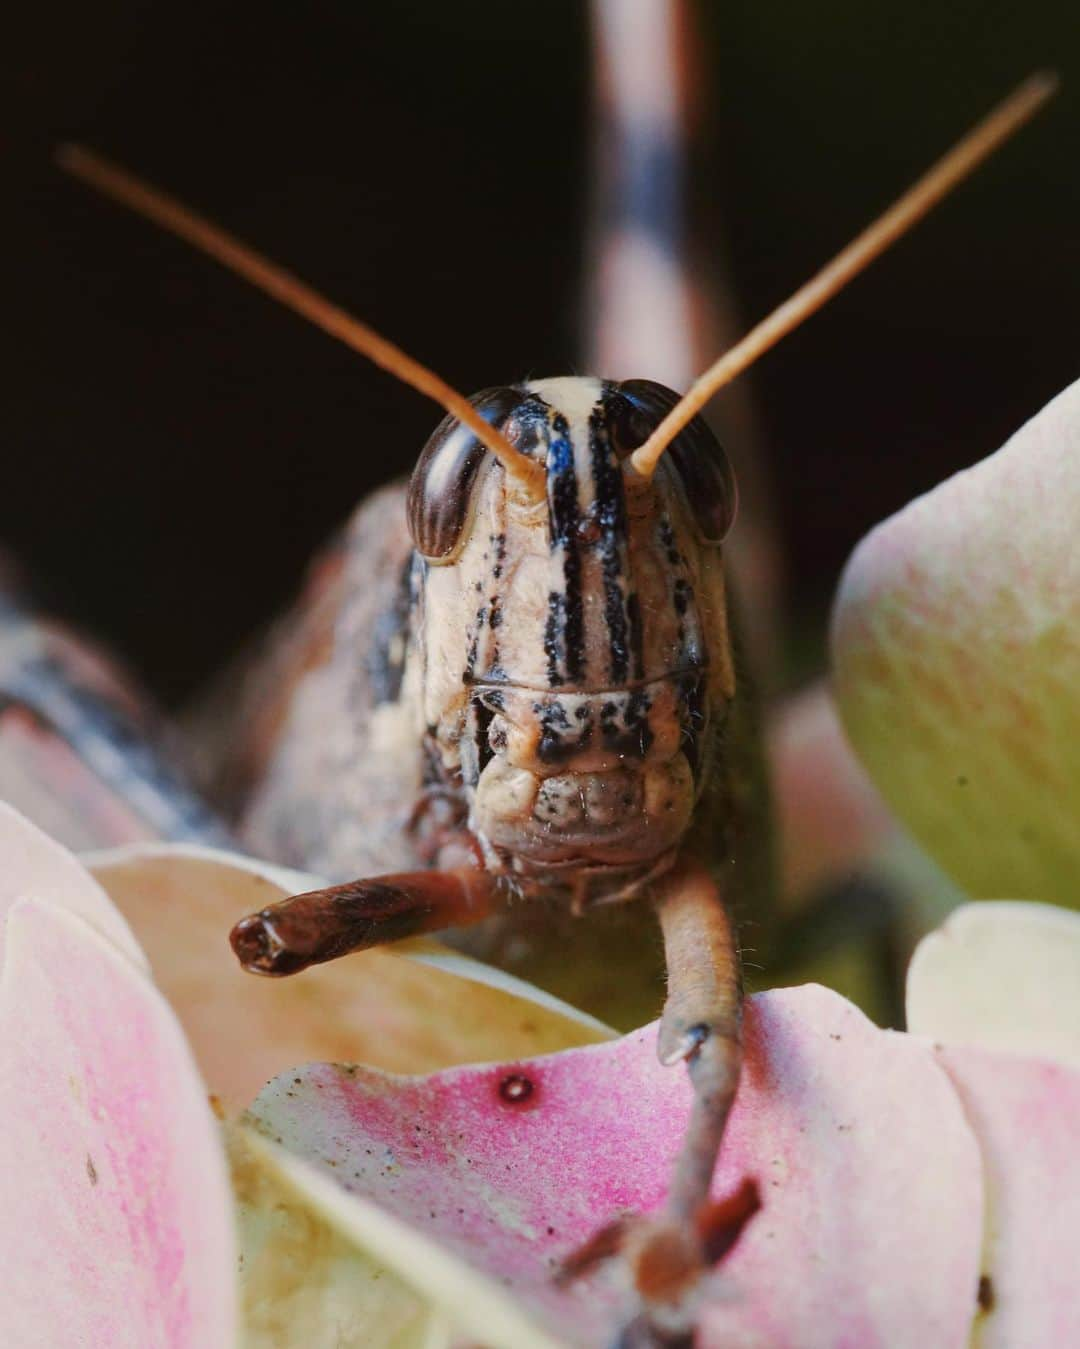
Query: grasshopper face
574,652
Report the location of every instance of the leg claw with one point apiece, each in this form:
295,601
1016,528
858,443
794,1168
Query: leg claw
666,1260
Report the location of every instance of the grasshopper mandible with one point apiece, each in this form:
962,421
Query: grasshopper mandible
561,689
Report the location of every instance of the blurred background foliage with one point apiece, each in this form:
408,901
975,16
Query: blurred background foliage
175,446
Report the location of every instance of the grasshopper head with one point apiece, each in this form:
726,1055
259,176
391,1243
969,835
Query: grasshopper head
574,647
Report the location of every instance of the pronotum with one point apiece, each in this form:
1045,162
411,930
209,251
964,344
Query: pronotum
557,701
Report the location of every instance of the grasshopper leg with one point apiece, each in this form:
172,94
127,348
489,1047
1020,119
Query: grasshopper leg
667,1253
701,1024
321,925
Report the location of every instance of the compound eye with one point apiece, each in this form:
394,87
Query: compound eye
442,488
695,458
629,424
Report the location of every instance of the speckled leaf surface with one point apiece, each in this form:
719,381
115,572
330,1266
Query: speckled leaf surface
302,1281
956,647
359,1267
870,1230
116,1225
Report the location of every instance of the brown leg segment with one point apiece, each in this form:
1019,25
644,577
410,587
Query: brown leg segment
701,1024
321,925
669,1252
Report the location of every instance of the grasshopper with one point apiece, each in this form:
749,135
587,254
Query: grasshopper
557,714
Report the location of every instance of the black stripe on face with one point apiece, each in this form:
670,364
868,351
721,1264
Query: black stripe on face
553,636
637,634
565,621
622,612
475,631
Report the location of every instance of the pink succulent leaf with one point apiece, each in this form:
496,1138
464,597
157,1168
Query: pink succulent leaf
871,1228
33,864
1026,1115
956,645
116,1225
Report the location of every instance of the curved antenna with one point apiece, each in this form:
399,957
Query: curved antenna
173,216
965,156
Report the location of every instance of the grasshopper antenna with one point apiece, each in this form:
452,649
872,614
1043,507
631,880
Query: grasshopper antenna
115,182
980,142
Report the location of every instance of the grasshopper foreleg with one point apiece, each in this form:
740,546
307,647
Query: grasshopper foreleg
321,925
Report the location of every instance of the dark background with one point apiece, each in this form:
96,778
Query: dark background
174,445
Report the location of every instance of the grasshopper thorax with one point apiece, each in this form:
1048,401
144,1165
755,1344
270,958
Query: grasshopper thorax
574,657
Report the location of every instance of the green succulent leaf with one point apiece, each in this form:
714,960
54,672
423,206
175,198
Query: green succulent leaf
956,650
